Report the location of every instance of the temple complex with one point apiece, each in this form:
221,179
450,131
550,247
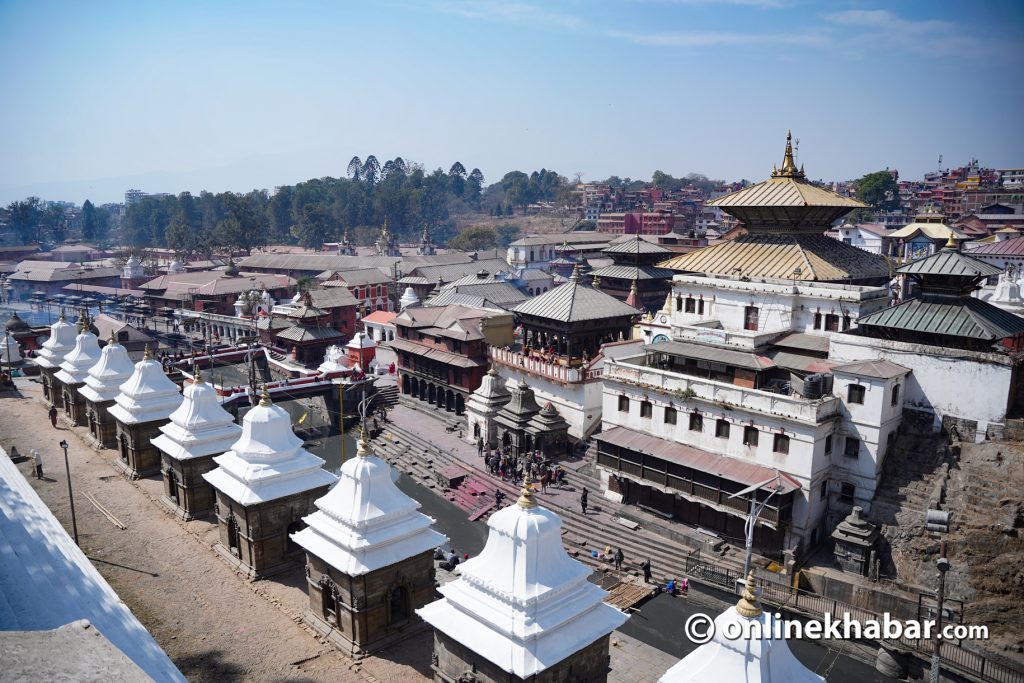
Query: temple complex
634,267
523,426
369,558
310,333
763,659
265,485
522,610
785,218
198,430
73,372
566,334
144,404
51,355
102,385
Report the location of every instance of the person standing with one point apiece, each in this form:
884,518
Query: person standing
479,446
646,569
37,460
583,500
544,479
619,557
53,416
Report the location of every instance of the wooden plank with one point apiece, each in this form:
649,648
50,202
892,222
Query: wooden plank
628,523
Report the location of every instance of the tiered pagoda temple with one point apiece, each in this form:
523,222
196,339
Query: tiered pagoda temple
102,385
522,610
635,266
51,355
523,426
764,659
144,405
265,485
74,371
369,558
785,217
198,430
310,334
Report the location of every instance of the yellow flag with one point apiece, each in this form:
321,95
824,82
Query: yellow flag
304,416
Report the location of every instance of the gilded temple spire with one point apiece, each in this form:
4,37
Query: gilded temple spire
789,169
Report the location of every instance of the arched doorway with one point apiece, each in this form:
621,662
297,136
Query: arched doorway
295,527
449,400
399,599
406,385
233,534
172,486
460,407
123,447
431,393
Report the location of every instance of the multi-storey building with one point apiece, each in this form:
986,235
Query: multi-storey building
637,223
442,351
538,250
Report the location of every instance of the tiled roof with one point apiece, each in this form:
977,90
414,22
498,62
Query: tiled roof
803,342
1011,247
740,359
949,262
379,317
450,272
769,256
949,316
882,369
363,276
435,354
636,245
315,263
572,238
456,321
332,297
214,282
575,302
303,333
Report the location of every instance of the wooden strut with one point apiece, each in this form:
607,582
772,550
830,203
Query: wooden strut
106,513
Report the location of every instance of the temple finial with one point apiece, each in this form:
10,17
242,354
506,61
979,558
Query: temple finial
951,243
526,499
575,277
265,397
748,605
788,169
113,337
147,354
197,374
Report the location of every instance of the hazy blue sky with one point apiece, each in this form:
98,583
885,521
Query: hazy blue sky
101,96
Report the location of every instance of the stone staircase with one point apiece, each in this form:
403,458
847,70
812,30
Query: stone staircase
910,475
423,461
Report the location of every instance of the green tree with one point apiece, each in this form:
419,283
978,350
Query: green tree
89,221
55,223
507,233
24,217
473,188
475,238
879,190
355,168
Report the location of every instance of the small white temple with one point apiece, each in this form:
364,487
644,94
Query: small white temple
408,299
483,405
755,660
1006,295
145,403
335,361
522,606
366,527
74,370
198,430
102,385
265,485
51,355
10,350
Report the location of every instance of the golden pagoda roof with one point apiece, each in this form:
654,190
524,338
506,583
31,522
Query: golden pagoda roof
787,188
805,258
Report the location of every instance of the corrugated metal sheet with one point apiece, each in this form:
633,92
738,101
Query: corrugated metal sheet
635,245
804,341
881,369
574,302
817,257
741,359
949,262
933,231
633,273
795,361
958,317
784,192
1011,247
435,354
745,473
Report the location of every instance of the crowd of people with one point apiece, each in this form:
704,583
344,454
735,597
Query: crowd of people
515,469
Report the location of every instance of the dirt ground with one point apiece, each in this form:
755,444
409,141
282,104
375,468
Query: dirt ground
214,624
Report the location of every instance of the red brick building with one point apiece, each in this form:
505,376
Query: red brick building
635,223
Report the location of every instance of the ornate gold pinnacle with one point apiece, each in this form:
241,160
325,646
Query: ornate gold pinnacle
526,499
265,397
748,605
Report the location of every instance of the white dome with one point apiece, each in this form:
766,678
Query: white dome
365,522
61,342
361,340
523,603
10,350
754,660
408,299
147,396
199,427
105,378
86,354
268,460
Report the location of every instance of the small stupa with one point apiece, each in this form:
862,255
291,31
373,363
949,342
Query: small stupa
265,485
10,351
144,404
369,557
102,385
51,355
408,299
335,362
522,609
198,430
755,660
74,370
482,407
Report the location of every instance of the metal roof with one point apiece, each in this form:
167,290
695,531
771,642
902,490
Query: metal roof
575,302
633,273
784,192
303,333
949,262
573,238
933,231
1011,247
435,354
636,245
741,359
316,263
780,256
800,363
363,276
804,342
948,315
450,272
723,466
882,369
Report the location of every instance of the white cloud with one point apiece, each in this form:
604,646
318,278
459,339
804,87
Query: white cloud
717,39
511,12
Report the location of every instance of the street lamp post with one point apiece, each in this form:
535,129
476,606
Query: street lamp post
71,496
943,565
755,511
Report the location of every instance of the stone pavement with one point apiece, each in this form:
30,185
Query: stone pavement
635,662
